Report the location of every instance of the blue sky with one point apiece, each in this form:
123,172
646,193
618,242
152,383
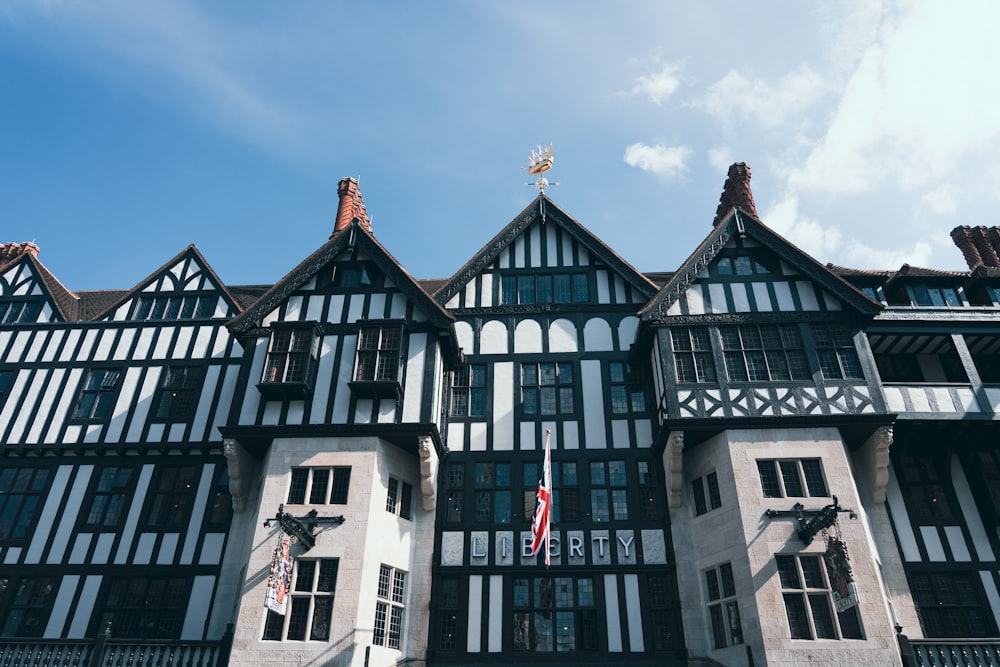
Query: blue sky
131,130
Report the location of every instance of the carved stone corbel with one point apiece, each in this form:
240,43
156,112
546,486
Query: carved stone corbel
239,461
428,472
674,465
880,478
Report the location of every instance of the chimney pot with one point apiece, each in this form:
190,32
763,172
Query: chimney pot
351,207
736,193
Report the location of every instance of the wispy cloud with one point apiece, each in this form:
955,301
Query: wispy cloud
735,97
658,85
667,161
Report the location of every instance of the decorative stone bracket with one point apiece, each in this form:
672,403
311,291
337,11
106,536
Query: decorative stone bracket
428,472
673,459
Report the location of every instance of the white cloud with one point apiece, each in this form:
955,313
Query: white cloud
658,85
921,100
735,97
668,161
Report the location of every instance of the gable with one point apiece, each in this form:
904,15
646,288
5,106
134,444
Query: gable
743,267
544,257
183,288
25,296
350,268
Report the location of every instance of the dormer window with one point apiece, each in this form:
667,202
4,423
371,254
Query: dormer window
531,288
931,295
740,265
175,307
291,362
377,365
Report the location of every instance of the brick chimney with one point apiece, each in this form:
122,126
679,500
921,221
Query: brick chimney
351,206
979,245
11,251
736,192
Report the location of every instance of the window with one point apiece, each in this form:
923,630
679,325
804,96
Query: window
26,604
6,382
547,389
951,605
378,354
389,605
98,395
809,604
177,396
220,506
838,358
454,485
662,609
722,608
739,265
566,494
944,365
291,356
930,295
491,482
554,614
172,496
924,481
310,609
19,311
608,491
320,486
174,307
558,288
784,478
468,391
399,498
448,616
693,354
706,493
353,275
649,508
144,607
21,491
627,393
110,492
764,353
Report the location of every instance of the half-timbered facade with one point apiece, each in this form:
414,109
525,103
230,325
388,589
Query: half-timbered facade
756,459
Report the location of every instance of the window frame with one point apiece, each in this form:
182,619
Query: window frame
21,594
469,391
168,508
558,288
705,490
378,369
626,389
306,592
174,306
390,607
536,597
337,481
298,342
693,355
399,498
764,353
21,501
533,381
99,389
722,606
777,485
20,310
178,399
812,598
125,617
118,493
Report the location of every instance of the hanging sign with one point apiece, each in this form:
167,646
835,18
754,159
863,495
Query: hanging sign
838,568
278,583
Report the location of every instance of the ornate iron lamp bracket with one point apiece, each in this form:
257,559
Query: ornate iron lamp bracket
812,521
302,528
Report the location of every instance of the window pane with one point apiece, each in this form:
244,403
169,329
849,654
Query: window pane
795,609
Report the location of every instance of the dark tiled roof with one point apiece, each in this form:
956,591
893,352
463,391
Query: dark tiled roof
245,295
432,285
93,303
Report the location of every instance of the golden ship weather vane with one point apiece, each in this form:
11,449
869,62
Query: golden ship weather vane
539,162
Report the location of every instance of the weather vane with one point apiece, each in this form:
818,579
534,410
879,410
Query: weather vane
540,162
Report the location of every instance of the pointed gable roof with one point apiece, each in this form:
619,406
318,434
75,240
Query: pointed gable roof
739,222
190,253
544,209
63,301
355,234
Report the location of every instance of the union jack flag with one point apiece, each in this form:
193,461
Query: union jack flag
542,520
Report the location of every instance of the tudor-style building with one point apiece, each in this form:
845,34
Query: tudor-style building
756,459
